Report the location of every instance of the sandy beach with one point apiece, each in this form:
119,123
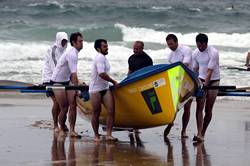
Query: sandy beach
27,139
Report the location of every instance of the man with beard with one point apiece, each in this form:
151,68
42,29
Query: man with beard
65,73
180,53
99,90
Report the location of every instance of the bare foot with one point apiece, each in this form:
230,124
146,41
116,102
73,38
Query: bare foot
62,133
74,134
198,139
97,139
184,135
56,129
111,138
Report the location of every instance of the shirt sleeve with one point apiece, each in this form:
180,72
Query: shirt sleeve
187,56
100,64
214,60
72,61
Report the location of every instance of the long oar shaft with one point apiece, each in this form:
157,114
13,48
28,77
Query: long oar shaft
243,94
220,87
43,87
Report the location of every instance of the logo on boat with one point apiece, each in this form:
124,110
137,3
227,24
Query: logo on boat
159,83
150,97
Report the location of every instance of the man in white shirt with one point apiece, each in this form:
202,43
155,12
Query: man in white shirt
51,57
65,73
99,89
180,53
206,65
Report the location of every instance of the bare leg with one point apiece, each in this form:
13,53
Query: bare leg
71,96
61,98
95,99
185,118
167,130
55,112
211,97
109,102
199,116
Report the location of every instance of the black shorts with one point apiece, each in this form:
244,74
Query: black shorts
103,92
49,92
210,82
61,83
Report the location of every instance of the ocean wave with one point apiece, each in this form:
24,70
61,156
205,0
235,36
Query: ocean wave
24,60
52,4
196,9
151,35
161,8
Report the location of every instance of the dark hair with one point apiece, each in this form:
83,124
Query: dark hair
202,38
98,43
140,42
171,36
73,37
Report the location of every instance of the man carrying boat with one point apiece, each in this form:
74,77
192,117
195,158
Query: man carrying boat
99,90
206,65
65,73
139,59
51,58
180,53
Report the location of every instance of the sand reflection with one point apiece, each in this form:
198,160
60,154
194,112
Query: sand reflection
201,157
58,153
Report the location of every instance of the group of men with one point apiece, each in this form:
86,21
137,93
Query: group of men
204,61
60,68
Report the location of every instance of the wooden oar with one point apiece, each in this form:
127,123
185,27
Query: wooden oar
44,87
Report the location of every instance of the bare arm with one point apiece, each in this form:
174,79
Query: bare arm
196,71
74,79
106,77
208,77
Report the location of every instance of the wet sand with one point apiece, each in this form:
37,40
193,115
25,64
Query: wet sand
27,138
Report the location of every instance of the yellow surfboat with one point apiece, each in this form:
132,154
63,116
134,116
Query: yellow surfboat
149,97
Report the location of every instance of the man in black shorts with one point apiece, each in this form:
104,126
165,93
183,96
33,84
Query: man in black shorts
137,61
50,60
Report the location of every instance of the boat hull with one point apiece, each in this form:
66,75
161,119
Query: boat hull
151,100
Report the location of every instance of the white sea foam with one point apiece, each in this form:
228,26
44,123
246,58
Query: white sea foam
24,61
151,35
162,8
58,4
196,9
